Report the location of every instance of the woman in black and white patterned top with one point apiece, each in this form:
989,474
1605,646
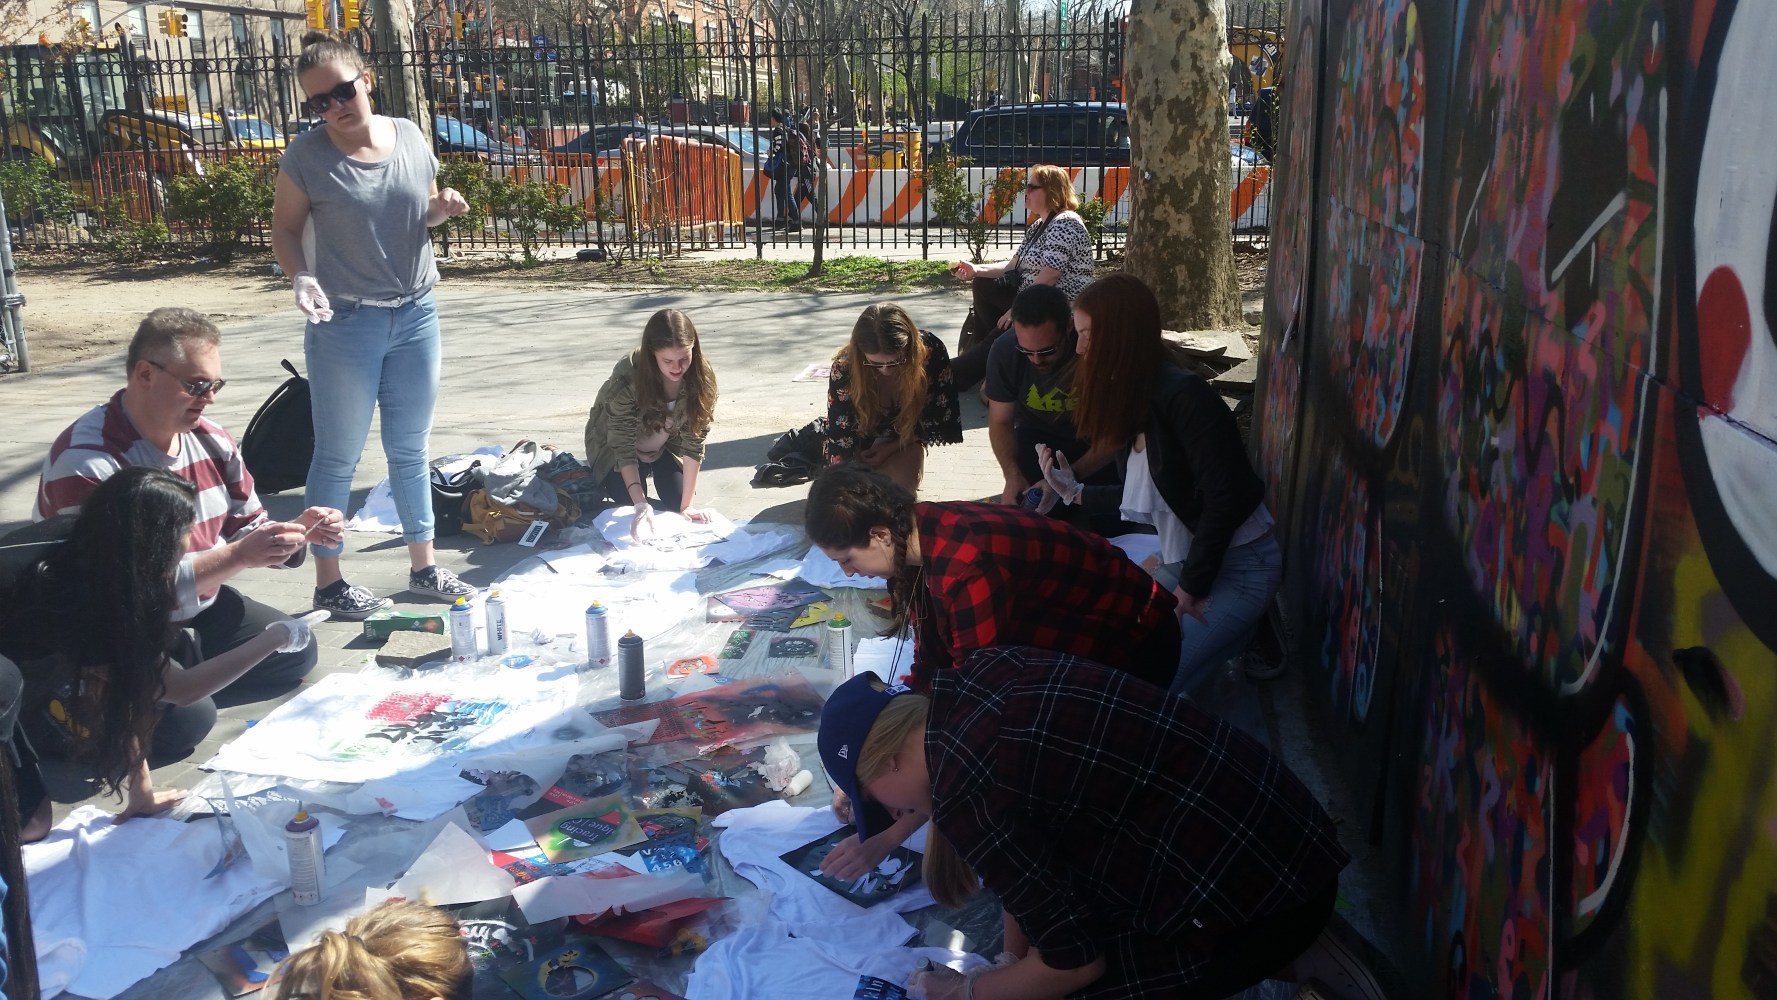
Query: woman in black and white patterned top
1057,250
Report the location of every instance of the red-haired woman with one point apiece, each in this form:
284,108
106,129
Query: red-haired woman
1185,472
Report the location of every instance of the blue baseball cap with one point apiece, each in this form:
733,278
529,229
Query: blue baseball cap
846,719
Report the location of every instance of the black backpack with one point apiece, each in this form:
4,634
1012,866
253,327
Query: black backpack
280,439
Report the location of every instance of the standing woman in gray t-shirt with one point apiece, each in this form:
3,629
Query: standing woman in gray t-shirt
354,200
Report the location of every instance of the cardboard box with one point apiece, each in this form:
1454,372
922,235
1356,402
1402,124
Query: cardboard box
382,624
413,649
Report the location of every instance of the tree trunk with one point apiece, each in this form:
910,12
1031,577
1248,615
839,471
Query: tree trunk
1179,225
400,85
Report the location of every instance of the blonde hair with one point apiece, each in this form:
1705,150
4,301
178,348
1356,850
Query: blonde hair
1058,187
946,874
321,48
885,328
398,951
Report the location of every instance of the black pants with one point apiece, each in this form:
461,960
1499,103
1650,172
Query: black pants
991,299
786,210
1107,525
669,483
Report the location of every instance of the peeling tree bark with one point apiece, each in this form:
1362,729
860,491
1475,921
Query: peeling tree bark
1176,75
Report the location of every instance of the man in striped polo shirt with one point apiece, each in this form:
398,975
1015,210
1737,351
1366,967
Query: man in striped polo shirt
157,420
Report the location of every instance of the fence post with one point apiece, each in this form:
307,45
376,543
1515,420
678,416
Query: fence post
12,324
919,124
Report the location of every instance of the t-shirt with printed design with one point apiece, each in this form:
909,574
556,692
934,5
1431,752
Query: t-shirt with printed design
1043,398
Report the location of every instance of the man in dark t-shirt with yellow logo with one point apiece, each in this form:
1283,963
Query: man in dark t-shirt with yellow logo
1030,395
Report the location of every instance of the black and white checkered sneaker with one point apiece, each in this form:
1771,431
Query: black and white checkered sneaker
438,583
346,603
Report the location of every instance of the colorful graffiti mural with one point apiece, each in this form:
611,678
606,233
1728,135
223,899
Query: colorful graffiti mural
1518,400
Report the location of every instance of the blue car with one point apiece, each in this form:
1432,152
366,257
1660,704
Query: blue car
454,136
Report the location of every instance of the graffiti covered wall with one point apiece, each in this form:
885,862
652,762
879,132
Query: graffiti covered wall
1518,398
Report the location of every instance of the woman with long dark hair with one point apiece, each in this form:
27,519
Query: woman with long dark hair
1185,471
90,628
890,397
650,419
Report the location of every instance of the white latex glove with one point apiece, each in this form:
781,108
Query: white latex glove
641,528
300,631
1058,475
310,300
938,984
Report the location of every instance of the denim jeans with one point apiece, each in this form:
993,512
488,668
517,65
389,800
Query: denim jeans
367,357
1238,599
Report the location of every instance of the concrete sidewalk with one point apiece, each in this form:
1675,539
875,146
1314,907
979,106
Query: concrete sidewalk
527,364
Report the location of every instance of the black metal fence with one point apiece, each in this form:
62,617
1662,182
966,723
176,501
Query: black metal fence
918,131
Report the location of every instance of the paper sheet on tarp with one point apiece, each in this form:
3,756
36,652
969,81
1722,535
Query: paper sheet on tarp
754,838
817,569
574,895
538,599
135,894
360,727
576,560
888,657
452,869
763,959
678,543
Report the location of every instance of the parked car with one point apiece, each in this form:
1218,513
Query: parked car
604,140
1065,133
454,136
247,131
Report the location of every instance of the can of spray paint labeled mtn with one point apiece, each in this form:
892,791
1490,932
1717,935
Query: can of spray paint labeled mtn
302,841
839,648
497,640
631,685
598,636
462,630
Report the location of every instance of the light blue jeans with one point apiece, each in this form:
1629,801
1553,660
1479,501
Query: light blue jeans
1238,599
366,357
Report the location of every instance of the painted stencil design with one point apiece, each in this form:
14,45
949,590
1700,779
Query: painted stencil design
1350,580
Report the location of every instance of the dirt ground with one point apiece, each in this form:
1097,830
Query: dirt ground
77,308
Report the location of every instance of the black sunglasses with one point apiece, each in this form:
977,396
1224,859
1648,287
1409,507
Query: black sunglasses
1045,352
195,387
882,366
318,104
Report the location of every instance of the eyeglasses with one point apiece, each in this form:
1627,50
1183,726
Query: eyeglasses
882,366
1045,352
195,387
318,104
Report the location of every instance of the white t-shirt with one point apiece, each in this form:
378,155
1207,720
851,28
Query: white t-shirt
1143,504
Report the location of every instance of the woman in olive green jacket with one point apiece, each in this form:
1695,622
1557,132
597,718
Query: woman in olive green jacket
651,417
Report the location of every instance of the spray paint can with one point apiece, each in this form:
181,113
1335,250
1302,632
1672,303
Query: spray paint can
302,841
839,647
1033,498
631,685
462,630
497,641
598,636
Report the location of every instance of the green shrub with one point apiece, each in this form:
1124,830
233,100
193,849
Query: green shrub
529,207
1093,213
123,239
33,192
953,204
230,202
469,177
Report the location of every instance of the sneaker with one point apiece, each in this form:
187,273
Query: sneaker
346,603
1260,669
436,581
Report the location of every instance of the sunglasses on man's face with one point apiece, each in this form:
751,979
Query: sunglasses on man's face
197,386
318,104
1045,352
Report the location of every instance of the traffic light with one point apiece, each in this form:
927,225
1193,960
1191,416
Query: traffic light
348,14
456,25
317,14
172,23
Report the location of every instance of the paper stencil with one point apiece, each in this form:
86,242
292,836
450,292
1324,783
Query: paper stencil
579,970
732,713
898,871
585,830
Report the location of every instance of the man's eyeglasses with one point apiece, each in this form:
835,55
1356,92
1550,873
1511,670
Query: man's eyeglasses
1045,352
195,387
318,104
882,366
